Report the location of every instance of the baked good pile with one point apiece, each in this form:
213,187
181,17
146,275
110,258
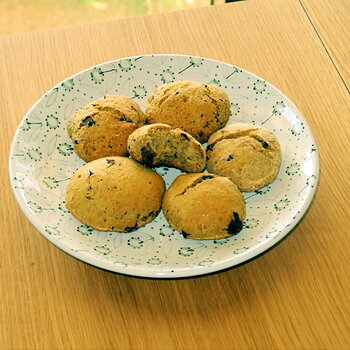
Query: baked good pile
115,192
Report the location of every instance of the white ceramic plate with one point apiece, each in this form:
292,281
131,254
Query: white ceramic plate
42,159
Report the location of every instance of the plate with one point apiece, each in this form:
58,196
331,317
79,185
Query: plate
42,160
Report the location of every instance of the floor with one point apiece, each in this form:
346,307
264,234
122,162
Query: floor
27,15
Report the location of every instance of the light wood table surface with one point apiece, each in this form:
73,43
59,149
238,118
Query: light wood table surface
331,20
296,296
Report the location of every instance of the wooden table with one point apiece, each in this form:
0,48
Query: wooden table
296,296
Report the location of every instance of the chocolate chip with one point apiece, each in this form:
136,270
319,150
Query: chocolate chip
76,142
200,134
235,225
185,234
177,92
123,118
202,115
151,214
110,161
147,156
229,158
210,147
185,136
90,173
263,143
87,121
90,198
206,177
130,229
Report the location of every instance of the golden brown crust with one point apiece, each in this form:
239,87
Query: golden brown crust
204,206
160,144
199,109
115,194
102,127
247,154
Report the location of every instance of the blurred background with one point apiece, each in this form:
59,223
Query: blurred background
28,15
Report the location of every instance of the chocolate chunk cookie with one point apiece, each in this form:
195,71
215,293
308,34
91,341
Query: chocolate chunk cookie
160,144
204,206
199,109
247,154
115,194
102,127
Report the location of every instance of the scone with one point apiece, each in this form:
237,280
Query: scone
102,127
115,194
160,144
247,154
204,206
197,108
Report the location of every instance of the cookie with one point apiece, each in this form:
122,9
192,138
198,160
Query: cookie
115,194
102,127
247,154
204,206
197,108
160,144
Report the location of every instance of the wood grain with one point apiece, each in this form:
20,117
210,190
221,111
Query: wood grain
331,20
296,296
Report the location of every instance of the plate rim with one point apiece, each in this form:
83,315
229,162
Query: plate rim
217,266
